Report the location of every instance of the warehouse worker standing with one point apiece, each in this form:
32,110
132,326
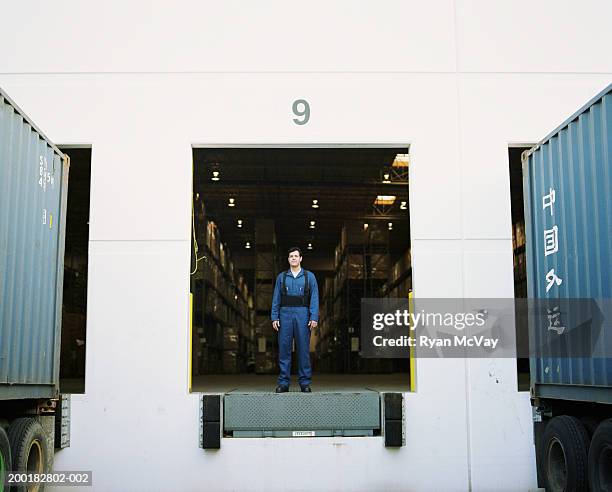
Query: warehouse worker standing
295,312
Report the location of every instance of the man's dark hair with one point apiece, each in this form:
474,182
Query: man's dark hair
295,248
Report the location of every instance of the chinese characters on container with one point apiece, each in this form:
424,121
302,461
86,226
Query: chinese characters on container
551,247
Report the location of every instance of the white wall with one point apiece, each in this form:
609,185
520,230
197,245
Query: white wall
143,81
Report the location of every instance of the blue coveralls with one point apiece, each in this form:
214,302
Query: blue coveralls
294,323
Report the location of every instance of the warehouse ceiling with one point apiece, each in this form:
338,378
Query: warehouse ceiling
281,184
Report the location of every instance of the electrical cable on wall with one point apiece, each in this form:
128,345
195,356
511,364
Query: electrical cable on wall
195,241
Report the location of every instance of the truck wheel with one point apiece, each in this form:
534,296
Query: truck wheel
28,448
590,424
600,457
5,460
564,451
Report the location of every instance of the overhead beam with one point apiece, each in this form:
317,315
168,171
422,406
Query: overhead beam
260,184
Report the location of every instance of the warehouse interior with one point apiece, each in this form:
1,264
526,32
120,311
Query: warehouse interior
74,304
518,246
347,208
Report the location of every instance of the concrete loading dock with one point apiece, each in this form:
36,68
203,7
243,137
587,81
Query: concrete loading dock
453,79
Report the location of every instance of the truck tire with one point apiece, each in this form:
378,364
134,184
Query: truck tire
5,460
600,457
590,424
564,452
29,449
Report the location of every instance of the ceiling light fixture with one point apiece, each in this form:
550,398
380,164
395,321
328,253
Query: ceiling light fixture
403,205
365,225
401,160
247,245
215,176
239,222
312,224
309,245
390,226
315,203
386,178
231,202
384,200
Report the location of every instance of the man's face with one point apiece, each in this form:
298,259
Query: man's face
295,259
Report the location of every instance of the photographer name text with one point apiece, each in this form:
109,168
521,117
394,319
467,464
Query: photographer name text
430,342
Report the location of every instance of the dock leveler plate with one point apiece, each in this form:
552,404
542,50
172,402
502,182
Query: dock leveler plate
293,414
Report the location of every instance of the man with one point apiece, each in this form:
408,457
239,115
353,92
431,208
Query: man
295,312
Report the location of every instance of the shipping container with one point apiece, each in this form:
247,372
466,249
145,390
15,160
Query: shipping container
568,215
33,193
568,185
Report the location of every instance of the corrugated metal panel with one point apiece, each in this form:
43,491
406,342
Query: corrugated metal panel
574,164
33,190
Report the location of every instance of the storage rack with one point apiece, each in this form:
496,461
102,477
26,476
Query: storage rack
520,261
223,307
399,284
361,269
266,269
322,339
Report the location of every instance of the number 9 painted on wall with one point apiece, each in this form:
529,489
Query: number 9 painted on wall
301,108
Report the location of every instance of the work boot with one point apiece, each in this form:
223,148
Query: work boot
282,389
306,389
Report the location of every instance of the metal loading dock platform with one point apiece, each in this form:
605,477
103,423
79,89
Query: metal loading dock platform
296,414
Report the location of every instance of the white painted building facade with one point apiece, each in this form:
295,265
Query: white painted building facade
141,82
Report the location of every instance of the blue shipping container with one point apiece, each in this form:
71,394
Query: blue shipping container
33,191
568,215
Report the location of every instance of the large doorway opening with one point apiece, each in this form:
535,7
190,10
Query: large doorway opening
518,249
346,208
76,260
